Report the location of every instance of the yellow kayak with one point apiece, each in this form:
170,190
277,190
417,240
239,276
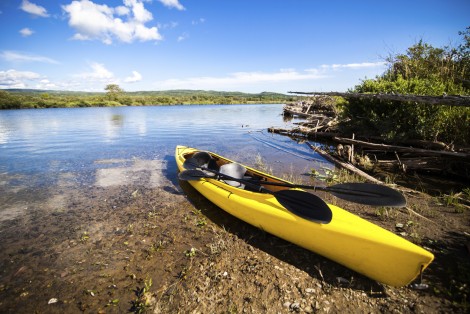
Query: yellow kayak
347,239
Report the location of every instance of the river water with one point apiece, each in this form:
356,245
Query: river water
113,146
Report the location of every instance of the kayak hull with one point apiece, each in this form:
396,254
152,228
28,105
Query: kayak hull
348,239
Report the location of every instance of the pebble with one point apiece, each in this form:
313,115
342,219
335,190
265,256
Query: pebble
295,306
419,286
52,301
342,280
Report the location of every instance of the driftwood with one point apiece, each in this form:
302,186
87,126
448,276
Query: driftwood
445,100
402,149
431,164
342,164
432,145
400,158
311,108
303,133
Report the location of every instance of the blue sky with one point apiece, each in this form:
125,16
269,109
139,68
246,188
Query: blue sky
225,45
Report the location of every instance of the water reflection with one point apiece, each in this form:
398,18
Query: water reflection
49,142
117,119
287,118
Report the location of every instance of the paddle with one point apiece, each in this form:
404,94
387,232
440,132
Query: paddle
362,193
302,204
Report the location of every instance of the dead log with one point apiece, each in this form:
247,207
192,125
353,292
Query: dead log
403,149
432,145
431,164
446,100
344,165
304,134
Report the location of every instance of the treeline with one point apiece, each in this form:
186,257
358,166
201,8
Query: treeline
24,99
422,70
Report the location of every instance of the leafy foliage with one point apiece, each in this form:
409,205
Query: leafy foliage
422,70
23,99
113,91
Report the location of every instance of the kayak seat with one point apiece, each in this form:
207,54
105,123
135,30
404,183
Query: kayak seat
236,171
212,165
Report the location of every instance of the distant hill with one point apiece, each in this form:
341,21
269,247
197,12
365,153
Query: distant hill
173,92
39,98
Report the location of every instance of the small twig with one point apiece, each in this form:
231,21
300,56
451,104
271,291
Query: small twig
419,215
320,272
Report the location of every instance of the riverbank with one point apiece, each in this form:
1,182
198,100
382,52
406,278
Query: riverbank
31,99
155,244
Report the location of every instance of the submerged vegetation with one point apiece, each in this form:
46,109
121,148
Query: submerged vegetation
115,96
422,70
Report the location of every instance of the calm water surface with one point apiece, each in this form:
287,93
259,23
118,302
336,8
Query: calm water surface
106,146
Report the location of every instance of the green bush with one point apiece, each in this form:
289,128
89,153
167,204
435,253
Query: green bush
423,70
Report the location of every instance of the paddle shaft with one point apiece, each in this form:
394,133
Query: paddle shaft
331,189
257,185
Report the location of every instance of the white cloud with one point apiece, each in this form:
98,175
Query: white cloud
136,77
182,37
173,4
200,21
45,84
122,10
17,79
353,65
281,79
126,23
238,79
13,56
140,13
168,25
25,32
33,9
98,73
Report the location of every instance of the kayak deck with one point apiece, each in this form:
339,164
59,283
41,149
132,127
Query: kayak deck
348,239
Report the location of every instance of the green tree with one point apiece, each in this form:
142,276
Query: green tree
113,91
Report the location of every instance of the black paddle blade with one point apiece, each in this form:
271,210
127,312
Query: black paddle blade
305,205
198,160
368,194
193,175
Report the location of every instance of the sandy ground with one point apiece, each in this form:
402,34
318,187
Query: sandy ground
135,241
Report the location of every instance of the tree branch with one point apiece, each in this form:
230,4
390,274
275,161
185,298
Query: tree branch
445,100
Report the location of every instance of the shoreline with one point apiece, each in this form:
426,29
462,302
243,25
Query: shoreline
165,248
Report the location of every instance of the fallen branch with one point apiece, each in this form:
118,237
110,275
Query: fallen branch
344,165
446,100
401,149
297,132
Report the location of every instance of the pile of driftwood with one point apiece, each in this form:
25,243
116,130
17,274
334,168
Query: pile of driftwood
407,157
319,111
